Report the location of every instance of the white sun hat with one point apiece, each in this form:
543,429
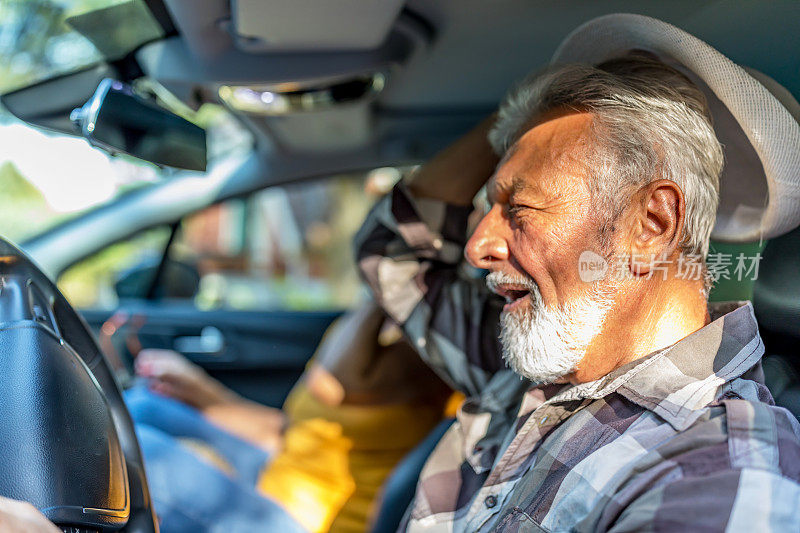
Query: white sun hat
756,120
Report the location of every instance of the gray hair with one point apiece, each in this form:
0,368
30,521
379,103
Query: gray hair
649,122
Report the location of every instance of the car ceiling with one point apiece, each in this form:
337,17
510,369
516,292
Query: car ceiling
483,47
449,62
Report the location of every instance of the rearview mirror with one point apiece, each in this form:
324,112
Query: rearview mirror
118,120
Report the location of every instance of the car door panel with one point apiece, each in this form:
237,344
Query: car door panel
259,354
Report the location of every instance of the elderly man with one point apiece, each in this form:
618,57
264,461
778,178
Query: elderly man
641,410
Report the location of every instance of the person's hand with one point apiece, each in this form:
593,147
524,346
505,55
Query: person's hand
258,424
22,517
171,374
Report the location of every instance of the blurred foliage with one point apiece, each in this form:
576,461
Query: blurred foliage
37,42
41,39
23,209
733,289
90,282
281,248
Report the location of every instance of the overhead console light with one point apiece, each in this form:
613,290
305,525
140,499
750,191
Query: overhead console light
288,98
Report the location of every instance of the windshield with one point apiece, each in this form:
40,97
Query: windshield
48,178
42,39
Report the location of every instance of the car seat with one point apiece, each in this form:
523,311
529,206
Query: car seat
399,489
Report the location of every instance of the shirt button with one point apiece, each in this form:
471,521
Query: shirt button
490,501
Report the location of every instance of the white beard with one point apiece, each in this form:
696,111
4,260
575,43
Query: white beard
544,345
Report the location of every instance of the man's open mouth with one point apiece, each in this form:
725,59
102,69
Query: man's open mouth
511,293
514,290
516,298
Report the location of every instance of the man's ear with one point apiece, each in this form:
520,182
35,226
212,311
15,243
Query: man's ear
658,224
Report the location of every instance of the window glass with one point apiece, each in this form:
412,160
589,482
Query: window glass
91,282
284,248
48,178
736,269
43,39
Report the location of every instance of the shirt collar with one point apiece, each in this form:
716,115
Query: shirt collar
678,381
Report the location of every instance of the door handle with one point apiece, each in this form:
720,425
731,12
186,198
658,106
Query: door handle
210,342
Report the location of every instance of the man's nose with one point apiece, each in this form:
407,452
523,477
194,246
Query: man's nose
488,243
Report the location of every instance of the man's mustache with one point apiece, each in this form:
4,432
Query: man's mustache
498,279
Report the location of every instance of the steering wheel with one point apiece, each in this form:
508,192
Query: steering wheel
66,438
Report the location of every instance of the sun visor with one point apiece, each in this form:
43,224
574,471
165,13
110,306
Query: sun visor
311,25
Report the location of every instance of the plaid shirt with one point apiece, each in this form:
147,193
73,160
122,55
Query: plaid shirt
685,439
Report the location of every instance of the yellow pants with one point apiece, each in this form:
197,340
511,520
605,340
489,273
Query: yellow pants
335,459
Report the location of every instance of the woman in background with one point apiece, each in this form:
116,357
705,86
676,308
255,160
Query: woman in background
216,461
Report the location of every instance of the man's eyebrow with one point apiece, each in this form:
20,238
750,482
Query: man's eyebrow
493,188
519,184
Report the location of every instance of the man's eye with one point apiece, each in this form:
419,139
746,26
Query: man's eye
514,211
520,212
519,206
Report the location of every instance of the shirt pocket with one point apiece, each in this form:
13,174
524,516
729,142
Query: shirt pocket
517,520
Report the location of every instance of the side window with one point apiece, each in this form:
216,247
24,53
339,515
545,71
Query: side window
280,248
92,283
736,267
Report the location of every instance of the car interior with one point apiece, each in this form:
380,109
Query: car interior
322,90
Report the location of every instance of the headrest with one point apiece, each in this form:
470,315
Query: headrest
776,292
